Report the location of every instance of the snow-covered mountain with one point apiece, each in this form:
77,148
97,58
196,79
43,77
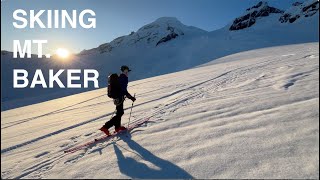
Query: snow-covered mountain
160,31
253,14
299,11
250,115
262,9
165,46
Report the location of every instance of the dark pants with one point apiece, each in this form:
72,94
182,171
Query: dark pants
116,120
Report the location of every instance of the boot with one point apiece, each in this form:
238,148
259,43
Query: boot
105,130
121,128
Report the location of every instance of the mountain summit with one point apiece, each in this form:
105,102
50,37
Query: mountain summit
167,29
160,31
262,9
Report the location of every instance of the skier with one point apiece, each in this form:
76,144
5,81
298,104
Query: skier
116,120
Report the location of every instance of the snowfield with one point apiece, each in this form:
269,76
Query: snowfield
160,47
254,114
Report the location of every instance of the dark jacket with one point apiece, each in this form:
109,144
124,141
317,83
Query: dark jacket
123,81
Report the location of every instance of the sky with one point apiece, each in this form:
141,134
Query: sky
116,18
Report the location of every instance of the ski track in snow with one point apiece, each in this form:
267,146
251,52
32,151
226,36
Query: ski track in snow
248,115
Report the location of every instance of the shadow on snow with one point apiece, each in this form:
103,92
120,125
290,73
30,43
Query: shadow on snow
135,169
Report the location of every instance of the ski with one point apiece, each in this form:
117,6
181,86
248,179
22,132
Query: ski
105,137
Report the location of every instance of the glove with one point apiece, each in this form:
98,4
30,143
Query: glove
133,99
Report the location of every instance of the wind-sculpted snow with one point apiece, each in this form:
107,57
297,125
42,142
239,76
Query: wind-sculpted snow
253,114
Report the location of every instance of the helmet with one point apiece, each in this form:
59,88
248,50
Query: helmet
124,68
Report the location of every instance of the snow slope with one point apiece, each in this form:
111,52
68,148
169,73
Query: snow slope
163,46
249,115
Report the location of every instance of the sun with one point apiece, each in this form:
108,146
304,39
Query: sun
63,53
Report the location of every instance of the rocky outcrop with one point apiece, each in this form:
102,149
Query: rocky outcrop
262,9
170,36
162,30
298,10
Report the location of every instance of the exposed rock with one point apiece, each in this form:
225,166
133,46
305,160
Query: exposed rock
170,36
167,38
252,15
311,9
298,10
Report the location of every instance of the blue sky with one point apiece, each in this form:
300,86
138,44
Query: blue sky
119,17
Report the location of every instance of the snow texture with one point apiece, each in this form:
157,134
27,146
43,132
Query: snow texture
163,46
248,115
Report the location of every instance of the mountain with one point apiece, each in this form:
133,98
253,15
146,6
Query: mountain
250,115
166,46
253,14
299,11
262,9
158,32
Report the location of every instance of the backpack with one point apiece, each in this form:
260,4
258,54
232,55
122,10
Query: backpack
113,86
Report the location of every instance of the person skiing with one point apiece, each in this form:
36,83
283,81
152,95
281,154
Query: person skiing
123,92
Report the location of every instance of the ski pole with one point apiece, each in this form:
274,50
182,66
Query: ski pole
131,110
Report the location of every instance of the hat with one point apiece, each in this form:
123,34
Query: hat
124,68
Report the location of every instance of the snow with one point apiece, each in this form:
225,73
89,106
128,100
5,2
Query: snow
252,114
143,53
148,35
304,10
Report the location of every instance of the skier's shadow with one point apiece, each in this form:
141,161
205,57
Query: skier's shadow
134,169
